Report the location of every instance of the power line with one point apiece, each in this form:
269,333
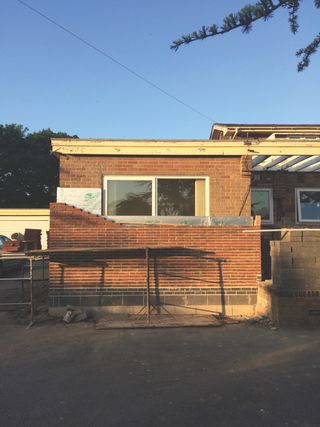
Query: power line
111,58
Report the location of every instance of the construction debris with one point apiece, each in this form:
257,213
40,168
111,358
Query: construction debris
264,321
67,318
74,315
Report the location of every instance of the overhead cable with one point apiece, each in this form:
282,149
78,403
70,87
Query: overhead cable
111,58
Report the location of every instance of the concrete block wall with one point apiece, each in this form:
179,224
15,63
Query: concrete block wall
296,277
296,261
209,266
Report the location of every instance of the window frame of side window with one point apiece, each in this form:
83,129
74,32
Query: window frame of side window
154,179
270,192
299,218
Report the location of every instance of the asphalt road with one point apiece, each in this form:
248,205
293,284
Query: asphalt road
236,375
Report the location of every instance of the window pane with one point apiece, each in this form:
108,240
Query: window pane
129,197
176,197
310,205
260,204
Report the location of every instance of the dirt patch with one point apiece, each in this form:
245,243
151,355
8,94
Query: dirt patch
157,321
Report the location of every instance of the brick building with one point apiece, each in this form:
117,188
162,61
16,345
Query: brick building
285,191
192,202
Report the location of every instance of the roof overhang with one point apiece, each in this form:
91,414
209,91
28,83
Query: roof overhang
268,131
257,149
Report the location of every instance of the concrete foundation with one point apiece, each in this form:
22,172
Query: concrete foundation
232,302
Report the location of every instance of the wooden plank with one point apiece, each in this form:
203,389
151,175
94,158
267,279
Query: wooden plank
100,249
184,148
200,193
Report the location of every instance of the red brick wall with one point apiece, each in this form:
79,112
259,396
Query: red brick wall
283,185
229,176
211,256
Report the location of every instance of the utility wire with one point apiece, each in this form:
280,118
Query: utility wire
111,58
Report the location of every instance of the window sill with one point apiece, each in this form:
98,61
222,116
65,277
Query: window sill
185,220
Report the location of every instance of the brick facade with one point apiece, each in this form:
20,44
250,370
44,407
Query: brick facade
283,185
229,177
210,266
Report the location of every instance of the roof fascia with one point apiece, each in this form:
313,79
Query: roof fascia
183,148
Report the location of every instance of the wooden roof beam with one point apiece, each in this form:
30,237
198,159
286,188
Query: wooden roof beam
300,166
289,161
184,148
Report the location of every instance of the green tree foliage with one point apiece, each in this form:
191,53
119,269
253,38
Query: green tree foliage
28,170
245,18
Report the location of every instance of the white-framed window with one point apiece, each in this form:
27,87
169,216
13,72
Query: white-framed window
156,196
308,204
262,204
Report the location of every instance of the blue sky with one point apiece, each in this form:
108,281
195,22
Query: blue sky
49,79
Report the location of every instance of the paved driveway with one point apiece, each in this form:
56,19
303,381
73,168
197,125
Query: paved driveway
236,375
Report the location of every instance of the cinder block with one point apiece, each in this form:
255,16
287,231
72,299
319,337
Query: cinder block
64,300
292,278
312,278
133,300
296,247
179,300
197,299
285,236
285,261
154,300
111,300
286,248
91,300
304,262
310,246
311,236
239,300
215,300
253,299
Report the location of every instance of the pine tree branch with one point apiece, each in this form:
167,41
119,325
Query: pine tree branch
243,19
247,16
306,52
293,7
